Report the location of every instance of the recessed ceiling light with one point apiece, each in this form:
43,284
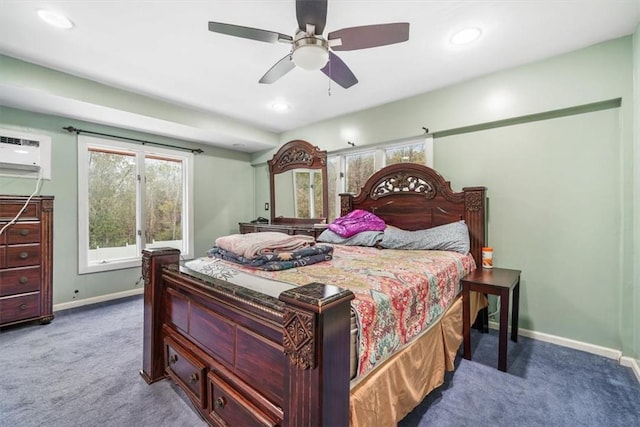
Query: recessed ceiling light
55,19
466,36
280,106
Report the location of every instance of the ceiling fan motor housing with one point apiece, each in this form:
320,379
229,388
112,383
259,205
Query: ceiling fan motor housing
310,52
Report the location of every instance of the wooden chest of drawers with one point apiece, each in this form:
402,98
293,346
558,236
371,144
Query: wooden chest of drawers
26,260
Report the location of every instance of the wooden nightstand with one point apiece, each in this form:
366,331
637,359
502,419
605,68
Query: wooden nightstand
494,281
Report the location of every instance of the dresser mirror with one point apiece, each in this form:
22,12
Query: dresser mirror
298,184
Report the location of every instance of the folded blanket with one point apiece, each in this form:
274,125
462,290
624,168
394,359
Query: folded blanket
252,245
277,260
356,222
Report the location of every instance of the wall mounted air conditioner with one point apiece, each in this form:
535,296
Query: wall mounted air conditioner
24,154
19,153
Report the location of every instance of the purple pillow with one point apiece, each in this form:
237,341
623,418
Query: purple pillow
356,222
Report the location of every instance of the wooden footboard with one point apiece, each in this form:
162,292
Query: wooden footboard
242,357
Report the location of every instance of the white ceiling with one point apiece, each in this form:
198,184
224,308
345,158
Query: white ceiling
163,49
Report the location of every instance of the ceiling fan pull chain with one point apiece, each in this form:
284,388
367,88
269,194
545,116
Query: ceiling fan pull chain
329,89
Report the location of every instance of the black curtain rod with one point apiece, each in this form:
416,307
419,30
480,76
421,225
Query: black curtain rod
77,131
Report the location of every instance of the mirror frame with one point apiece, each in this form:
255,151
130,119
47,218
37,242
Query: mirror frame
298,154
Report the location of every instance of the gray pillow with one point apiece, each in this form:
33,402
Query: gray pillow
449,237
364,238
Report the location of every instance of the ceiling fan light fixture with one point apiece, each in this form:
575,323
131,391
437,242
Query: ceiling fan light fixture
280,106
466,36
310,53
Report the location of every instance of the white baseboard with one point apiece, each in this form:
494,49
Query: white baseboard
633,364
94,300
579,345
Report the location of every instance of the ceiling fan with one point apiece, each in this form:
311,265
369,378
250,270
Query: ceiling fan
310,50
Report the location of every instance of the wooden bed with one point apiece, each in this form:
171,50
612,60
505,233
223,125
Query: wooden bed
245,358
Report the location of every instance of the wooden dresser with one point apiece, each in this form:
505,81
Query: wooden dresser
294,228
26,260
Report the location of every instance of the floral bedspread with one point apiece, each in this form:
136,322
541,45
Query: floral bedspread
398,293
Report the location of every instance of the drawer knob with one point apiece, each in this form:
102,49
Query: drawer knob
24,232
23,280
220,402
193,378
173,359
22,307
23,255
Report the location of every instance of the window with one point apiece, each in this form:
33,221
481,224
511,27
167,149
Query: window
349,171
333,176
308,194
414,153
359,167
131,197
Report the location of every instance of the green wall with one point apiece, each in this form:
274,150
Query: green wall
261,188
561,189
217,210
553,215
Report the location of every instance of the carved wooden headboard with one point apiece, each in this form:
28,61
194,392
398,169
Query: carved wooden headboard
414,197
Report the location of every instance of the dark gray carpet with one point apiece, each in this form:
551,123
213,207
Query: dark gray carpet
545,385
82,370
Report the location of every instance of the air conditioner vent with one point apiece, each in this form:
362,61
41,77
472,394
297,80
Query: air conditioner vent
19,141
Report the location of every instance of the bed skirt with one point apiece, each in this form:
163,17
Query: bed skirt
392,390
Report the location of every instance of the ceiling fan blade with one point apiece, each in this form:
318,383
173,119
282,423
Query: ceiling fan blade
338,71
312,12
280,68
249,33
369,36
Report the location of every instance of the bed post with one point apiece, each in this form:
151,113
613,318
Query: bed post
346,203
316,337
474,216
152,348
